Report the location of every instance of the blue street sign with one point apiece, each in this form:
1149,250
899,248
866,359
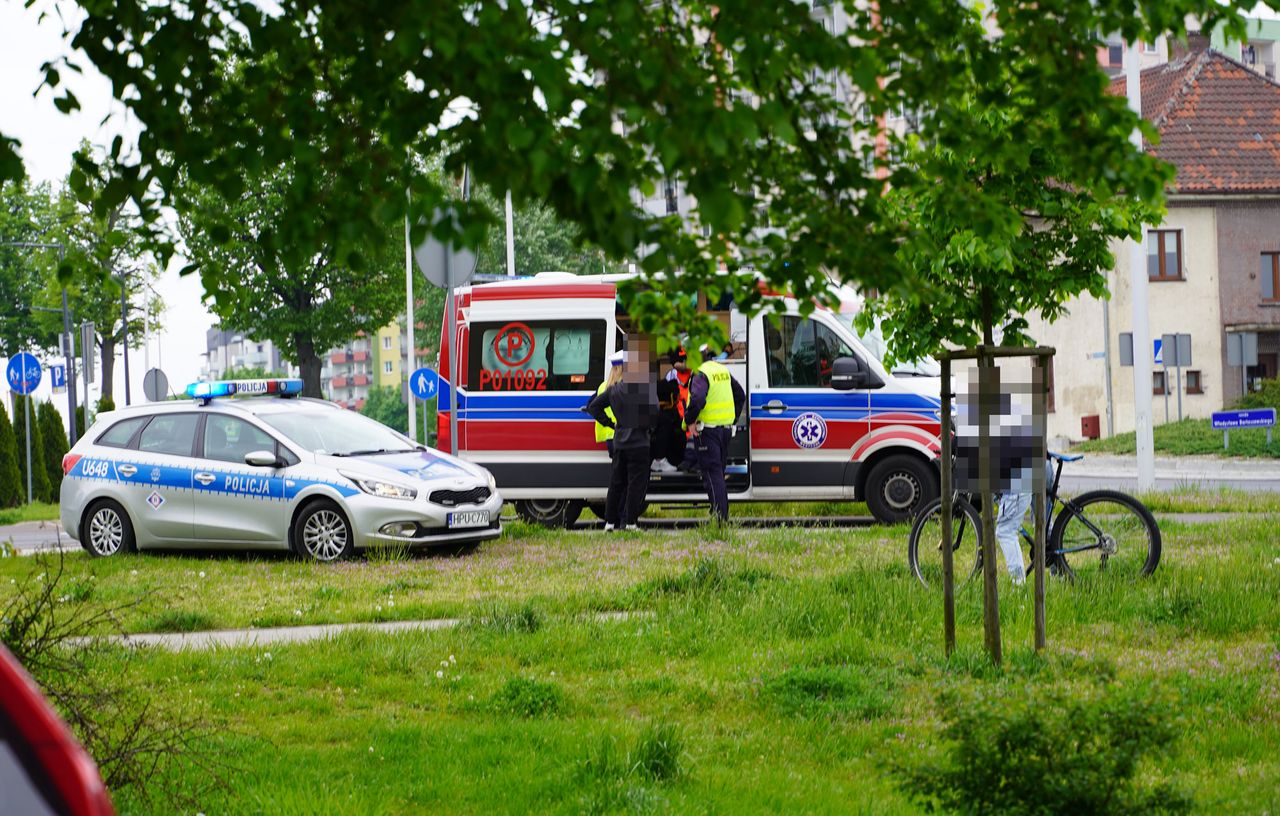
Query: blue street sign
58,376
425,383
1159,356
1256,418
23,373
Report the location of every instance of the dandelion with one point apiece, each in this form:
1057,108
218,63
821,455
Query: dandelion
439,674
451,660
133,572
201,573
444,663
378,608
297,613
266,656
391,603
371,749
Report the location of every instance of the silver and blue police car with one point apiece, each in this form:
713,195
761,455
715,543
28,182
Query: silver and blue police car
274,472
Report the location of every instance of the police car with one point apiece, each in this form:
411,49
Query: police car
274,472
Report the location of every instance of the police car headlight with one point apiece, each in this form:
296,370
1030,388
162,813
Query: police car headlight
381,489
493,483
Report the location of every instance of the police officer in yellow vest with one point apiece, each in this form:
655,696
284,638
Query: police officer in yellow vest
715,401
604,433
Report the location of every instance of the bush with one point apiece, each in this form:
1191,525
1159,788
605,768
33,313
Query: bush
10,475
1267,397
1045,753
105,403
55,446
39,473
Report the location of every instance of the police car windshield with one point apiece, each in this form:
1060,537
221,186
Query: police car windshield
337,433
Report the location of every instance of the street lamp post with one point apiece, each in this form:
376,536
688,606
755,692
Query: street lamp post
124,331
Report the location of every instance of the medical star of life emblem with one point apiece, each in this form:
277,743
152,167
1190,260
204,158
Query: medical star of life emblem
155,500
809,430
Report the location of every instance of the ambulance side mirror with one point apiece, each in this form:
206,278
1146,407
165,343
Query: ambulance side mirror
848,373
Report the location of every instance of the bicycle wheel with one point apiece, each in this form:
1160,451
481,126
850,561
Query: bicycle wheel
1107,533
924,548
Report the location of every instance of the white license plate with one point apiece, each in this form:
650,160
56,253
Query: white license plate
469,518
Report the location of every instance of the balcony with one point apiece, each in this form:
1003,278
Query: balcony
339,382
360,379
360,356
339,358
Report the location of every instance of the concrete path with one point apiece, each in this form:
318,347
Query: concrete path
232,638
1105,470
34,536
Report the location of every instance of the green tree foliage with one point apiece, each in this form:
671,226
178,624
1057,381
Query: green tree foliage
1007,238
543,243
12,485
26,212
753,108
39,474
1047,753
385,405
250,373
254,282
55,446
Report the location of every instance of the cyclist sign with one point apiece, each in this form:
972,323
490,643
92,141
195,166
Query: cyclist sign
23,373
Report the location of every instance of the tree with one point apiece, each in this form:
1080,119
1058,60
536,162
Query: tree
255,284
751,107
1006,238
250,373
55,446
26,215
11,482
39,474
544,242
386,406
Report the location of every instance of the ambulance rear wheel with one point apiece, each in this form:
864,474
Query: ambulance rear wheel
898,486
550,512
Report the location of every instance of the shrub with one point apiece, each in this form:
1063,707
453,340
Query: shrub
1045,753
55,446
10,475
39,473
1267,397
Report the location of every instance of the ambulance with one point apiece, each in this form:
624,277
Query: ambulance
824,420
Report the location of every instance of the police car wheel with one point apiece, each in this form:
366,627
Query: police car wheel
549,512
106,530
322,533
899,486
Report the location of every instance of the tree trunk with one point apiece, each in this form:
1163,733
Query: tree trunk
309,364
108,347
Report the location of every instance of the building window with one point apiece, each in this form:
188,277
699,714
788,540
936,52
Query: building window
1115,55
1164,255
1269,275
386,367
1158,384
1149,48
386,341
1194,384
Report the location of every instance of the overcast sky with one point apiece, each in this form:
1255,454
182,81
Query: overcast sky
48,138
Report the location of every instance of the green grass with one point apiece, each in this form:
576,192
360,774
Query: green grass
36,511
759,671
1190,437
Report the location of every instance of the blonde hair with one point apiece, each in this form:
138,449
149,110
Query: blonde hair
615,376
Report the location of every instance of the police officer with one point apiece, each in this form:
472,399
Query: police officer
634,404
715,400
604,433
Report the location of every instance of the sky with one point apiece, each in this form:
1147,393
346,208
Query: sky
48,139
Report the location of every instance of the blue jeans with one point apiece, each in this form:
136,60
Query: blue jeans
1013,508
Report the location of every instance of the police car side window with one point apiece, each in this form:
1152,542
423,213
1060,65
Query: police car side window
228,439
169,433
119,434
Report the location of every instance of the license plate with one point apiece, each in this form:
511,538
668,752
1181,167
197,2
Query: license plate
469,518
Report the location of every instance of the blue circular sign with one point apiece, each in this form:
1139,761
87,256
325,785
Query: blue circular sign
809,430
424,383
23,373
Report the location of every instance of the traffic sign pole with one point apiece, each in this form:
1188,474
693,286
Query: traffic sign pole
27,402
24,377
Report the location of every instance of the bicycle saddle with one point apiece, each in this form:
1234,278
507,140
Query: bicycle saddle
1066,457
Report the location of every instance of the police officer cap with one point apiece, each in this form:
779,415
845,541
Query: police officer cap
616,358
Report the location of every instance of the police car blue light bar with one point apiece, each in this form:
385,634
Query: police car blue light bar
247,388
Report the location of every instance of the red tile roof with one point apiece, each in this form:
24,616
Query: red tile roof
1219,123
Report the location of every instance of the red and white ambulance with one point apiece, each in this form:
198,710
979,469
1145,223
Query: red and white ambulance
824,421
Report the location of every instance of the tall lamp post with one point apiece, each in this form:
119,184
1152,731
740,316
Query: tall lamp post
69,348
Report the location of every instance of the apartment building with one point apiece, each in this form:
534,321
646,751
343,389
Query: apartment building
1213,264
226,350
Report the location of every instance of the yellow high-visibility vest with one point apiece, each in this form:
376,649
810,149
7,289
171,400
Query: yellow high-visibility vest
719,408
603,432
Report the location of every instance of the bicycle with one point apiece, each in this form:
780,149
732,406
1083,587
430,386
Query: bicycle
1100,531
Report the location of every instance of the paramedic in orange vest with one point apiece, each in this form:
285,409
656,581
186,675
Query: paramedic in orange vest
715,400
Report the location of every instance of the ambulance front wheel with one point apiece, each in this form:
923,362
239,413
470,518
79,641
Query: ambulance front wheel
550,512
898,486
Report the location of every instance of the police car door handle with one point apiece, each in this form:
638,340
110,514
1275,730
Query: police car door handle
775,405
205,478
127,470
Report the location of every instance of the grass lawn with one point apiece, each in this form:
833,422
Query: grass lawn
1193,436
36,511
758,671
